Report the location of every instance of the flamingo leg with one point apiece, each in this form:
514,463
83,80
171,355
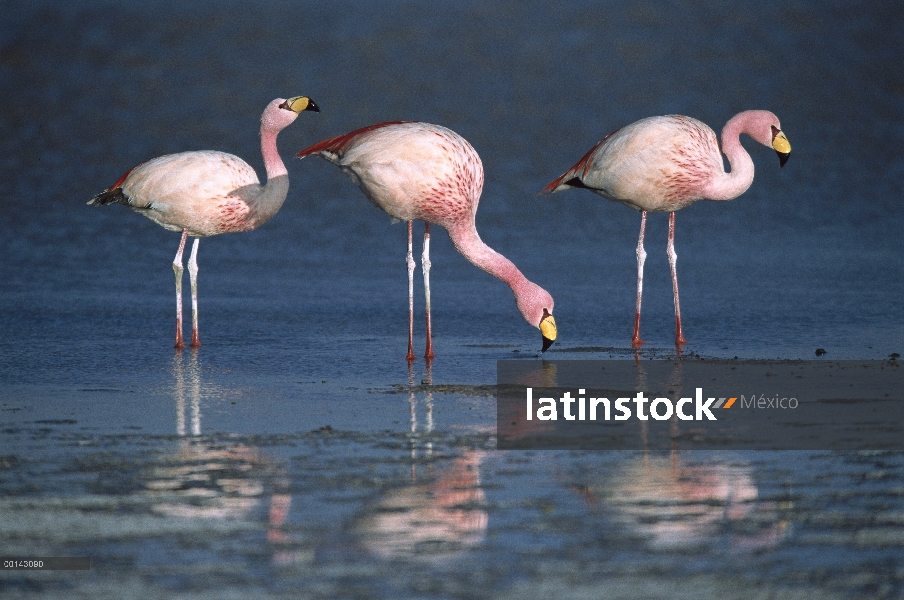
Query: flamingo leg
410,260
673,258
177,269
193,276
641,257
425,265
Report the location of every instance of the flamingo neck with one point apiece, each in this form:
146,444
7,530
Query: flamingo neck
273,194
468,243
272,161
733,184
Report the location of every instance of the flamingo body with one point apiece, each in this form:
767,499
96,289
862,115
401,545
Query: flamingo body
663,164
421,171
205,193
413,171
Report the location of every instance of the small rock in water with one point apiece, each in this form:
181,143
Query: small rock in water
820,352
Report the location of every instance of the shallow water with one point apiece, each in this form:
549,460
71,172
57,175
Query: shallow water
290,455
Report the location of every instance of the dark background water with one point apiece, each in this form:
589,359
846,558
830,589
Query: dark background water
809,257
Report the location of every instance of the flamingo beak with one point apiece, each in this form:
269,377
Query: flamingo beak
547,330
300,103
781,145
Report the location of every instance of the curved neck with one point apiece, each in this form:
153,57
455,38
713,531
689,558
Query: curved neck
733,184
468,243
272,195
272,161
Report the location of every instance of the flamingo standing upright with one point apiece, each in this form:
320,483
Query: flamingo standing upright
427,172
663,164
206,193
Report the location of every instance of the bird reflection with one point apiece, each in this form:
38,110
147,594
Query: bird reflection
673,504
214,478
438,519
439,515
509,413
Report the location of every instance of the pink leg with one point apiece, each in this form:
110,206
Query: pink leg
193,276
673,258
177,269
410,259
425,265
641,257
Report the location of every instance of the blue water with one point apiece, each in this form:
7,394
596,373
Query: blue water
304,320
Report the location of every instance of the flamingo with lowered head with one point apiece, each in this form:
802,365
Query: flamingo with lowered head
206,193
663,164
427,172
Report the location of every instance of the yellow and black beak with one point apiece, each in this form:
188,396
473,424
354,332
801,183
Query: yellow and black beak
547,330
781,145
300,103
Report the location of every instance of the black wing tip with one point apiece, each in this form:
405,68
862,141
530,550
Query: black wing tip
109,196
575,183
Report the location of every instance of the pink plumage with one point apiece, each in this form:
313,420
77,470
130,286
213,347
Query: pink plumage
663,164
206,193
420,171
337,145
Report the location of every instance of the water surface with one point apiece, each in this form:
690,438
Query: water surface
295,454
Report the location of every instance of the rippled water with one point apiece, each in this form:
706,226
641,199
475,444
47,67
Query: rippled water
289,455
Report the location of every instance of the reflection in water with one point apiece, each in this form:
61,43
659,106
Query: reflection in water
214,479
672,504
675,386
437,518
546,376
412,405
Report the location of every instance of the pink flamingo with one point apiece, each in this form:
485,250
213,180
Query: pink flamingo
427,172
666,163
206,193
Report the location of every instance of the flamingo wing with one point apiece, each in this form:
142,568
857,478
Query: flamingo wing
113,194
573,177
334,147
204,192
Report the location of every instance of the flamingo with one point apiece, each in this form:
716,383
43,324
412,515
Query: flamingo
663,164
206,193
427,172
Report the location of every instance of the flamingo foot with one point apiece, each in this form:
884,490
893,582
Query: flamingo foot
195,339
636,342
679,335
180,344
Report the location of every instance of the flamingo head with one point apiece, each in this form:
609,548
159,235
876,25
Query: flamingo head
536,306
781,145
763,127
280,113
547,330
